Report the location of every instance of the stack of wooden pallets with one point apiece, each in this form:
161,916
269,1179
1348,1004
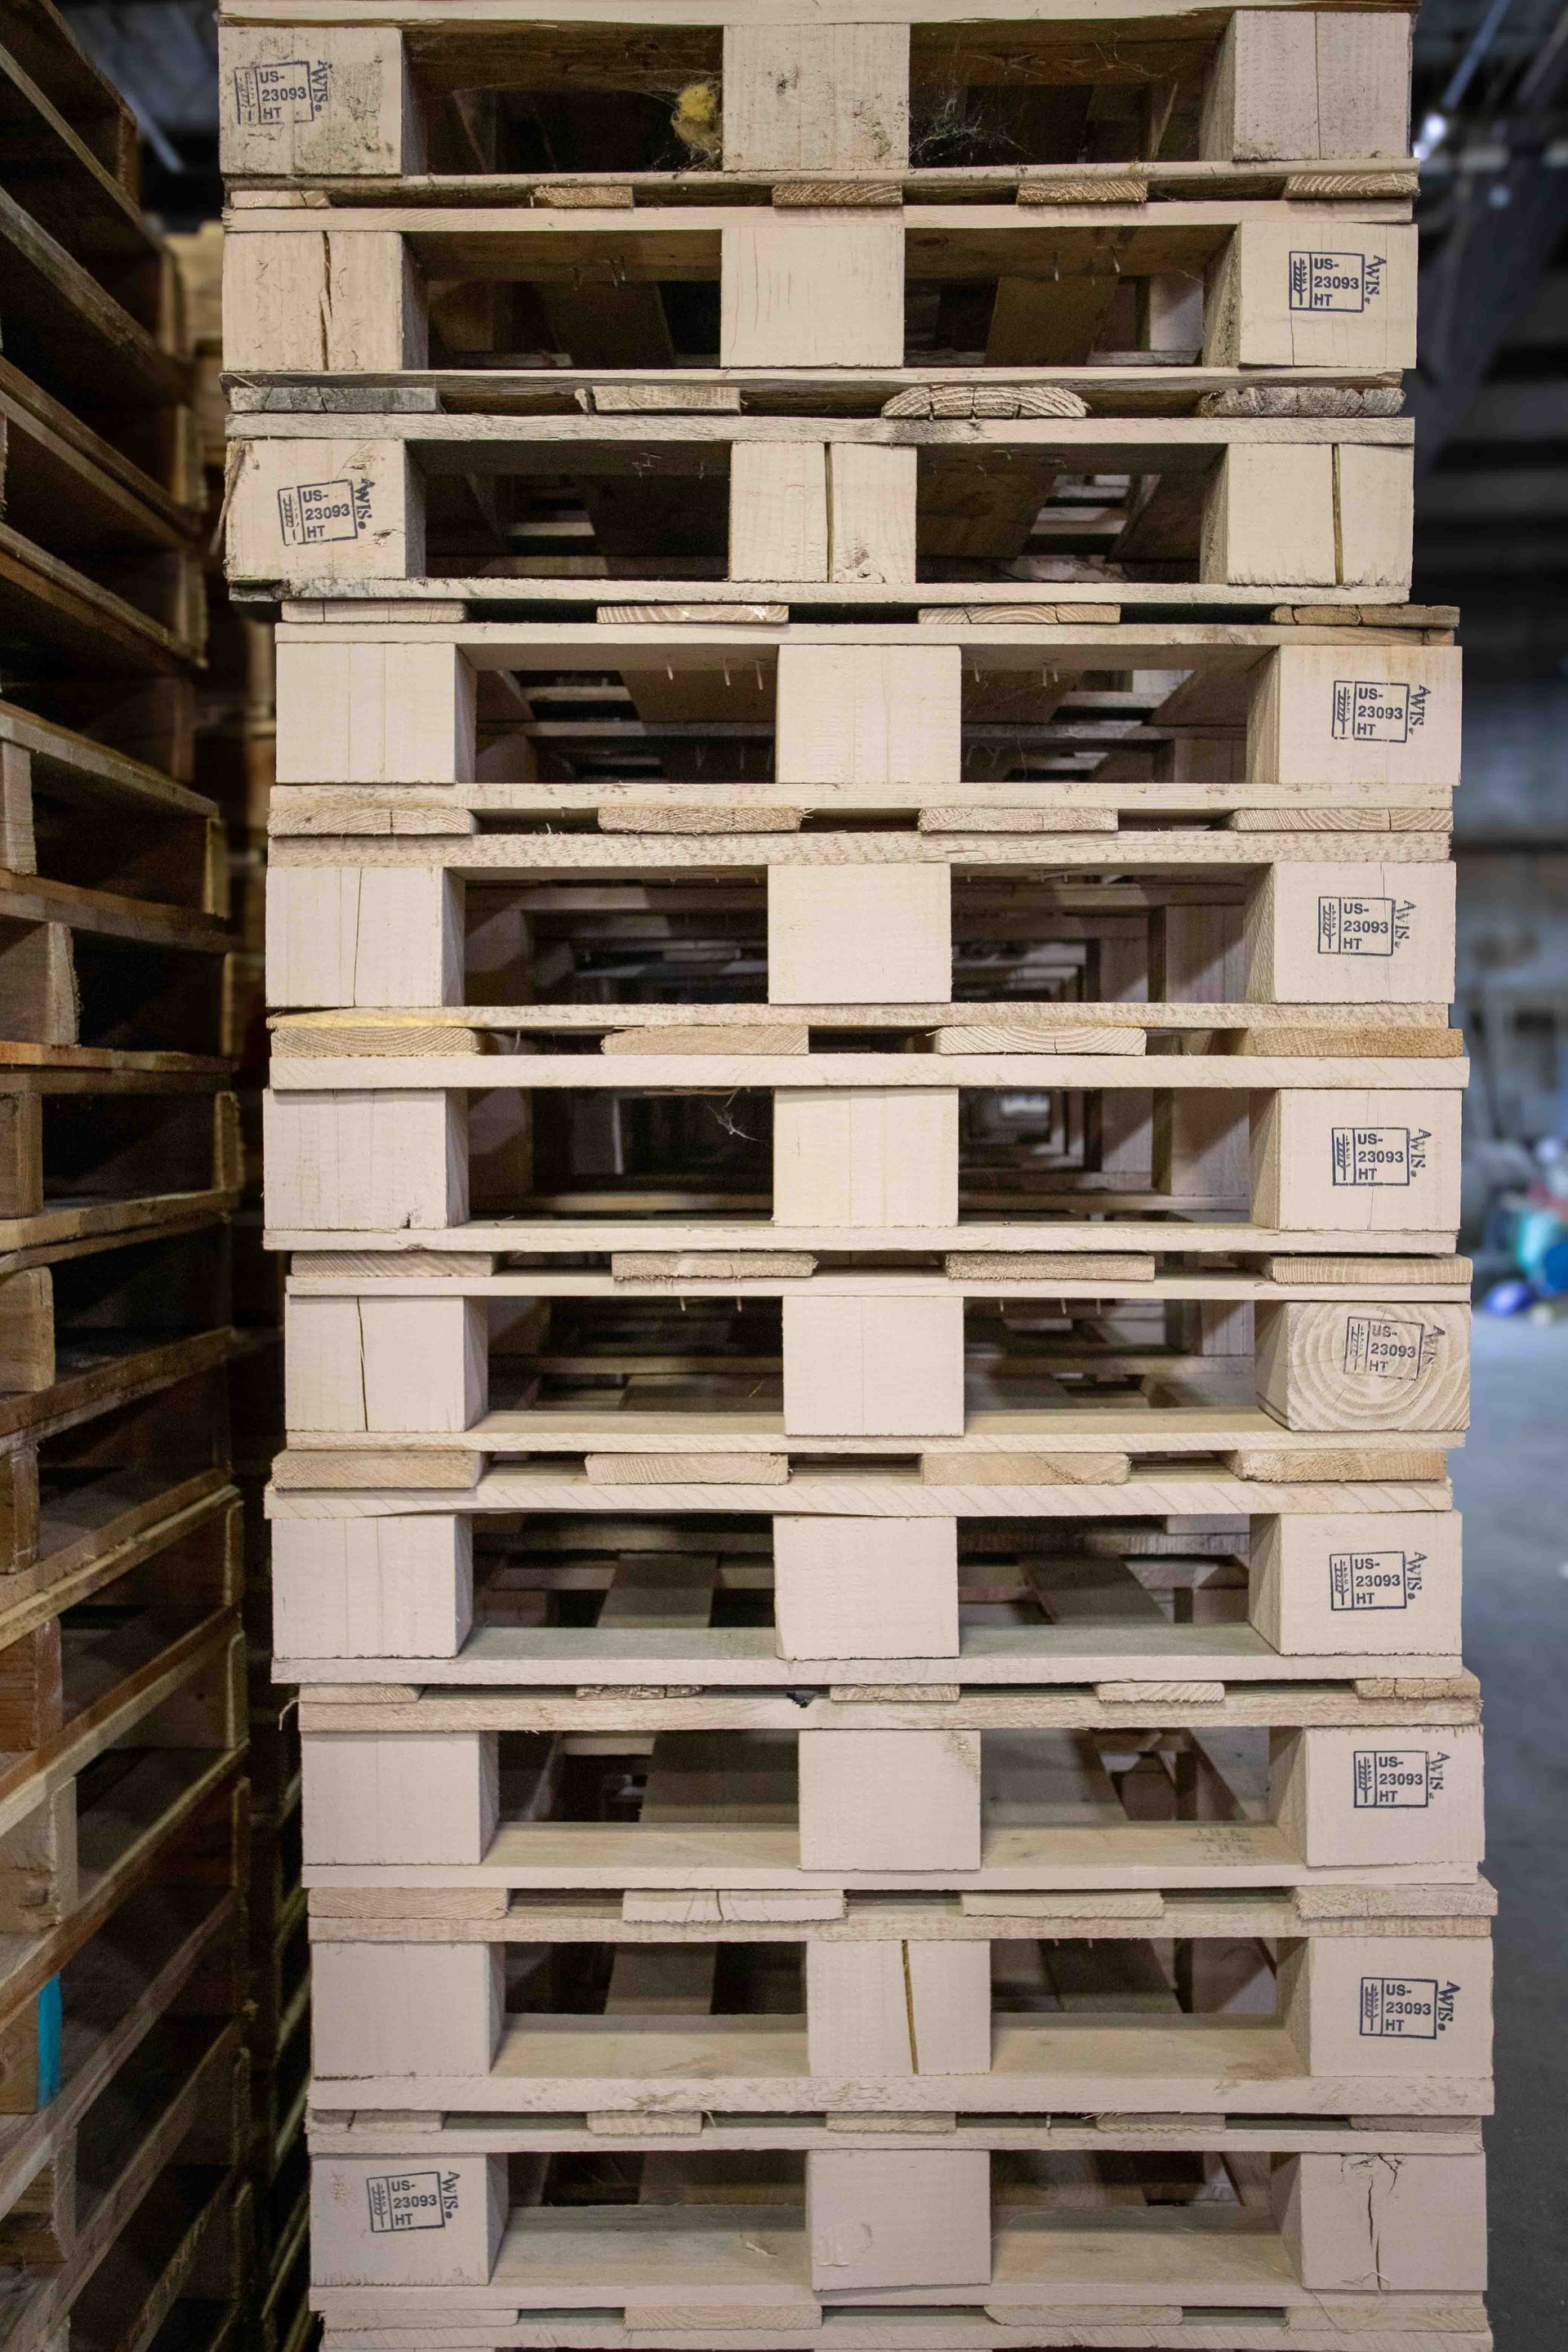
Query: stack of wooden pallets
861,937
123,1808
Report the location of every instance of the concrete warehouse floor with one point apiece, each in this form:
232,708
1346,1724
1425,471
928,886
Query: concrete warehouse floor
1511,1482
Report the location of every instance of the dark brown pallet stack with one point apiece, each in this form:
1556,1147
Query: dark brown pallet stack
234,764
124,1806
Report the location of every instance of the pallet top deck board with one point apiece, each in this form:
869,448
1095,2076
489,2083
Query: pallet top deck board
676,241
721,1074
744,1659
602,2065
388,1916
1144,384
335,2131
1064,1225
1363,180
1360,805
30,899
441,19
1200,602
1155,1493
392,615
380,1277
1178,848
655,445
541,1855
343,1706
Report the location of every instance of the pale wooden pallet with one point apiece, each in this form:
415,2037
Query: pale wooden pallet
1281,2207
1021,2225
810,1813
995,2244
1389,1700
1298,716
853,1373
895,2033
718,96
798,510
827,286
987,928
973,1151
912,1607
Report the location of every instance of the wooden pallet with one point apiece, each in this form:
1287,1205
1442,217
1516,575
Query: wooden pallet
886,2032
89,530
87,1653
96,1158
152,1998
103,1321
1017,2246
874,1366
95,970
1079,2166
1282,714
91,291
87,1492
163,1860
813,1811
160,1726
1184,510
738,1601
992,928
833,287
91,131
712,96
81,816
157,2227
855,1150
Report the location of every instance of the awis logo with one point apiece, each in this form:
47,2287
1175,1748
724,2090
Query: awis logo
1378,1155
1363,927
1371,710
1395,1779
266,97
411,2200
1405,2009
1374,1579
1334,281
317,511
